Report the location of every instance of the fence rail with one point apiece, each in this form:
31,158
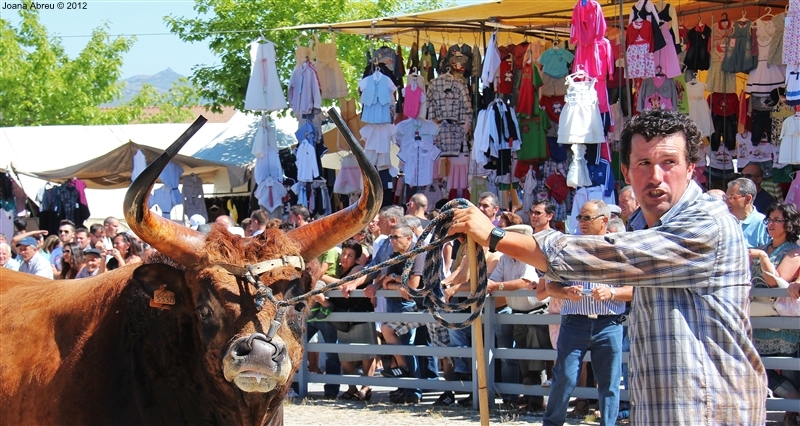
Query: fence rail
492,353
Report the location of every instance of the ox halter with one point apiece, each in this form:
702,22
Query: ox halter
252,272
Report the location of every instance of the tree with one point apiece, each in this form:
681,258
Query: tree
228,27
41,85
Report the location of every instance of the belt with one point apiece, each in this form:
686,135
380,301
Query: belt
595,316
539,310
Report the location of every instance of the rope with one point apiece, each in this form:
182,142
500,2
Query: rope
431,292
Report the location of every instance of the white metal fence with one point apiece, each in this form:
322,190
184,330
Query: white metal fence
492,353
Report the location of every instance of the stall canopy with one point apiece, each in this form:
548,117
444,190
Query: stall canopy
113,169
514,19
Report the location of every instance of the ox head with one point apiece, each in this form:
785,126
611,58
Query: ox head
247,363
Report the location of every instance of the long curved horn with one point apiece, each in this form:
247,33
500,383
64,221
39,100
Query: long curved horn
180,243
320,235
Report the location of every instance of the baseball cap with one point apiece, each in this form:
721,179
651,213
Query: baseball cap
94,251
27,241
196,220
614,209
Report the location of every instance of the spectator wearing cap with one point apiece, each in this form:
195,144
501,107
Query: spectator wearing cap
739,198
93,263
615,211
763,199
196,220
32,263
6,261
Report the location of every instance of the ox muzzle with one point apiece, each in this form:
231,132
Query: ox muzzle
256,363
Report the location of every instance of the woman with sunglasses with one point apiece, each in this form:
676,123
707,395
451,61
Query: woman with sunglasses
779,257
125,252
72,261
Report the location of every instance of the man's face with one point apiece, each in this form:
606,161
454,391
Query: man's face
411,207
658,173
66,233
539,217
627,203
737,203
5,255
92,262
400,242
111,227
26,252
486,206
754,173
294,218
82,238
590,222
385,224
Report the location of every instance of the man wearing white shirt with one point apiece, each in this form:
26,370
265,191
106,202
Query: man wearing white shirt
32,263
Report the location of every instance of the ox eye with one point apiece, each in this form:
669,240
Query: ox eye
204,312
299,307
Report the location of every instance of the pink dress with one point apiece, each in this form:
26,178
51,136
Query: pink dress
588,27
667,57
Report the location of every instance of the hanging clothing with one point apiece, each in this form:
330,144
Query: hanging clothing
448,99
193,197
139,164
647,12
739,56
409,130
657,93
793,84
718,80
666,57
791,34
429,62
264,91
697,56
418,157
580,120
304,90
378,138
307,169
698,108
668,16
529,81
414,97
331,78
555,61
162,197
641,62
348,180
790,141
265,149
376,98
775,54
587,30
270,194
171,176
765,77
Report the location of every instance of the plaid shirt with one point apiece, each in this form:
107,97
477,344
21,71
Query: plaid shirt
448,99
692,359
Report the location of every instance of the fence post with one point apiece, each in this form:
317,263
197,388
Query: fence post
490,319
302,379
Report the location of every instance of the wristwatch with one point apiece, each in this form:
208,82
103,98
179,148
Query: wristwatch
394,278
500,286
613,293
495,236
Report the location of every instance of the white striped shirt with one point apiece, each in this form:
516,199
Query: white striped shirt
588,306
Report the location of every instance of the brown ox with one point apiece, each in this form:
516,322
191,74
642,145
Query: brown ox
93,351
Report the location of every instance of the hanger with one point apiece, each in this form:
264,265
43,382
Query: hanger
744,16
261,39
768,14
724,17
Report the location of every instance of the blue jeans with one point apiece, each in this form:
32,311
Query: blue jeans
461,338
579,334
504,336
332,364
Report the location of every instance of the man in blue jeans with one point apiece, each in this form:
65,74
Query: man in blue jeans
591,320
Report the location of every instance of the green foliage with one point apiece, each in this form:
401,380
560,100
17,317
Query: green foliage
41,85
228,26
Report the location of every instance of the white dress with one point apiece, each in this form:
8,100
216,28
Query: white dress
264,91
790,141
765,77
580,120
698,108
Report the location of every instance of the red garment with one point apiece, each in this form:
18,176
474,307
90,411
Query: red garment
724,103
557,184
506,83
527,95
519,54
640,32
552,105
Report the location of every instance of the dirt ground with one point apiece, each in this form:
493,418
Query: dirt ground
380,412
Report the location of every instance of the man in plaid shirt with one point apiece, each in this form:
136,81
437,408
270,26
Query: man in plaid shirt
691,361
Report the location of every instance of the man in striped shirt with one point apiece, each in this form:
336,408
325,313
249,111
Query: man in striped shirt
691,361
591,320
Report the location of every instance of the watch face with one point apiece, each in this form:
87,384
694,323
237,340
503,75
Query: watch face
497,232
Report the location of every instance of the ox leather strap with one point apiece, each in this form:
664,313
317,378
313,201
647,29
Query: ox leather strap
267,265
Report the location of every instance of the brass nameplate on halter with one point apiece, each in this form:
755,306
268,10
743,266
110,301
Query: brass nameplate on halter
162,298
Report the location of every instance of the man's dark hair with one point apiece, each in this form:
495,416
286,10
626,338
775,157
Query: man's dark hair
792,218
659,122
20,224
82,229
95,227
549,207
67,222
261,216
300,210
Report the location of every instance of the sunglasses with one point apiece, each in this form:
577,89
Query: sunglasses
587,218
535,213
769,220
396,237
63,231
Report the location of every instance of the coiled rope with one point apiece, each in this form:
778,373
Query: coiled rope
430,292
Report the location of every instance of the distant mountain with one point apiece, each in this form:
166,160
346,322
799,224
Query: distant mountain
161,81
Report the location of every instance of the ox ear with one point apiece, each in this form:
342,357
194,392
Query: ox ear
154,278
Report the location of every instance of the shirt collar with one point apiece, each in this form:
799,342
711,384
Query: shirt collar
692,192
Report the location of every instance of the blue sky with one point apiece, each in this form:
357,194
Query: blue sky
155,49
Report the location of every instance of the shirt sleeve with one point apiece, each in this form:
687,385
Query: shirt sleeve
497,274
680,254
